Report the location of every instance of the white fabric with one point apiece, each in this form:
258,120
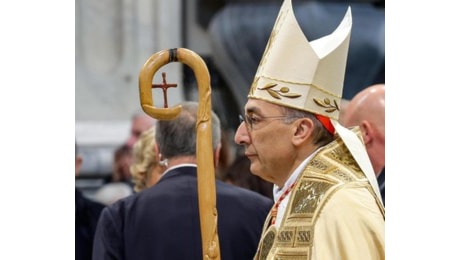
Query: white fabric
177,166
277,192
358,150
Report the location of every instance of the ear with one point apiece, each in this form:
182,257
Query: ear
367,131
302,131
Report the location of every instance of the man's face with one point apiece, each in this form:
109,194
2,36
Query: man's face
267,139
139,125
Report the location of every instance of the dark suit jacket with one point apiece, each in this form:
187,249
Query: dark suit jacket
86,215
162,222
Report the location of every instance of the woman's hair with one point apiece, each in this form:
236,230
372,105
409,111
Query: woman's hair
144,159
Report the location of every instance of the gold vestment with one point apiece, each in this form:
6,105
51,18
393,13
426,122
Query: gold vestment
332,213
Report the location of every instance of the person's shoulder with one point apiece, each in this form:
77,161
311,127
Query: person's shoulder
354,201
111,192
87,204
123,205
96,206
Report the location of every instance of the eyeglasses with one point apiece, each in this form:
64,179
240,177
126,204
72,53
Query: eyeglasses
252,120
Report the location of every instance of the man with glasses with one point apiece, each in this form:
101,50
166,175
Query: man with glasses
327,202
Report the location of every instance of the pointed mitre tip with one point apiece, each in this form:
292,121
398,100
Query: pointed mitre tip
347,22
348,14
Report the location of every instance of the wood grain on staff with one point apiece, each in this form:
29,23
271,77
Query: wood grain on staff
204,149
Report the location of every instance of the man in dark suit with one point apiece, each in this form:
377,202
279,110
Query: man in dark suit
163,222
86,215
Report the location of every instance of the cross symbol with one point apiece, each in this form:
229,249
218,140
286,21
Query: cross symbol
164,87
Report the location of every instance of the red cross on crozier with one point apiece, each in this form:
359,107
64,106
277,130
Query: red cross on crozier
164,87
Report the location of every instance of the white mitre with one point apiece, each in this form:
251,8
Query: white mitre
309,76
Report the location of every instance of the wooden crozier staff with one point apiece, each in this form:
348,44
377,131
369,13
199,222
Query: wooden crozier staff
204,150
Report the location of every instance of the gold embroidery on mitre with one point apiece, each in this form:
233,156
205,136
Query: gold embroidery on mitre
282,92
326,103
253,86
279,21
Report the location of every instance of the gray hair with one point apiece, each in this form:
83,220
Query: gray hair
320,135
177,137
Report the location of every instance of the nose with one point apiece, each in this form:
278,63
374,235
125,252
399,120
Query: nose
241,135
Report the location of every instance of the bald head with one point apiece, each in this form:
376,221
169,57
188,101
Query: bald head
369,104
367,110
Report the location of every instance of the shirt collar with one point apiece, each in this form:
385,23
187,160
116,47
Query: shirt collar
178,166
277,191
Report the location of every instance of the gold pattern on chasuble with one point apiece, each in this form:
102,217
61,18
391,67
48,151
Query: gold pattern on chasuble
304,236
308,196
341,154
331,168
289,243
285,237
267,242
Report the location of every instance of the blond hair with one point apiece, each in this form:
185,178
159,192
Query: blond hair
145,158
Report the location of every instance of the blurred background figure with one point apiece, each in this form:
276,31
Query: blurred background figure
239,174
367,110
120,184
87,214
226,154
112,191
146,169
122,160
140,122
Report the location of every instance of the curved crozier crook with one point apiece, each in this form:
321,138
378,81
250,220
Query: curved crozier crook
151,66
204,148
